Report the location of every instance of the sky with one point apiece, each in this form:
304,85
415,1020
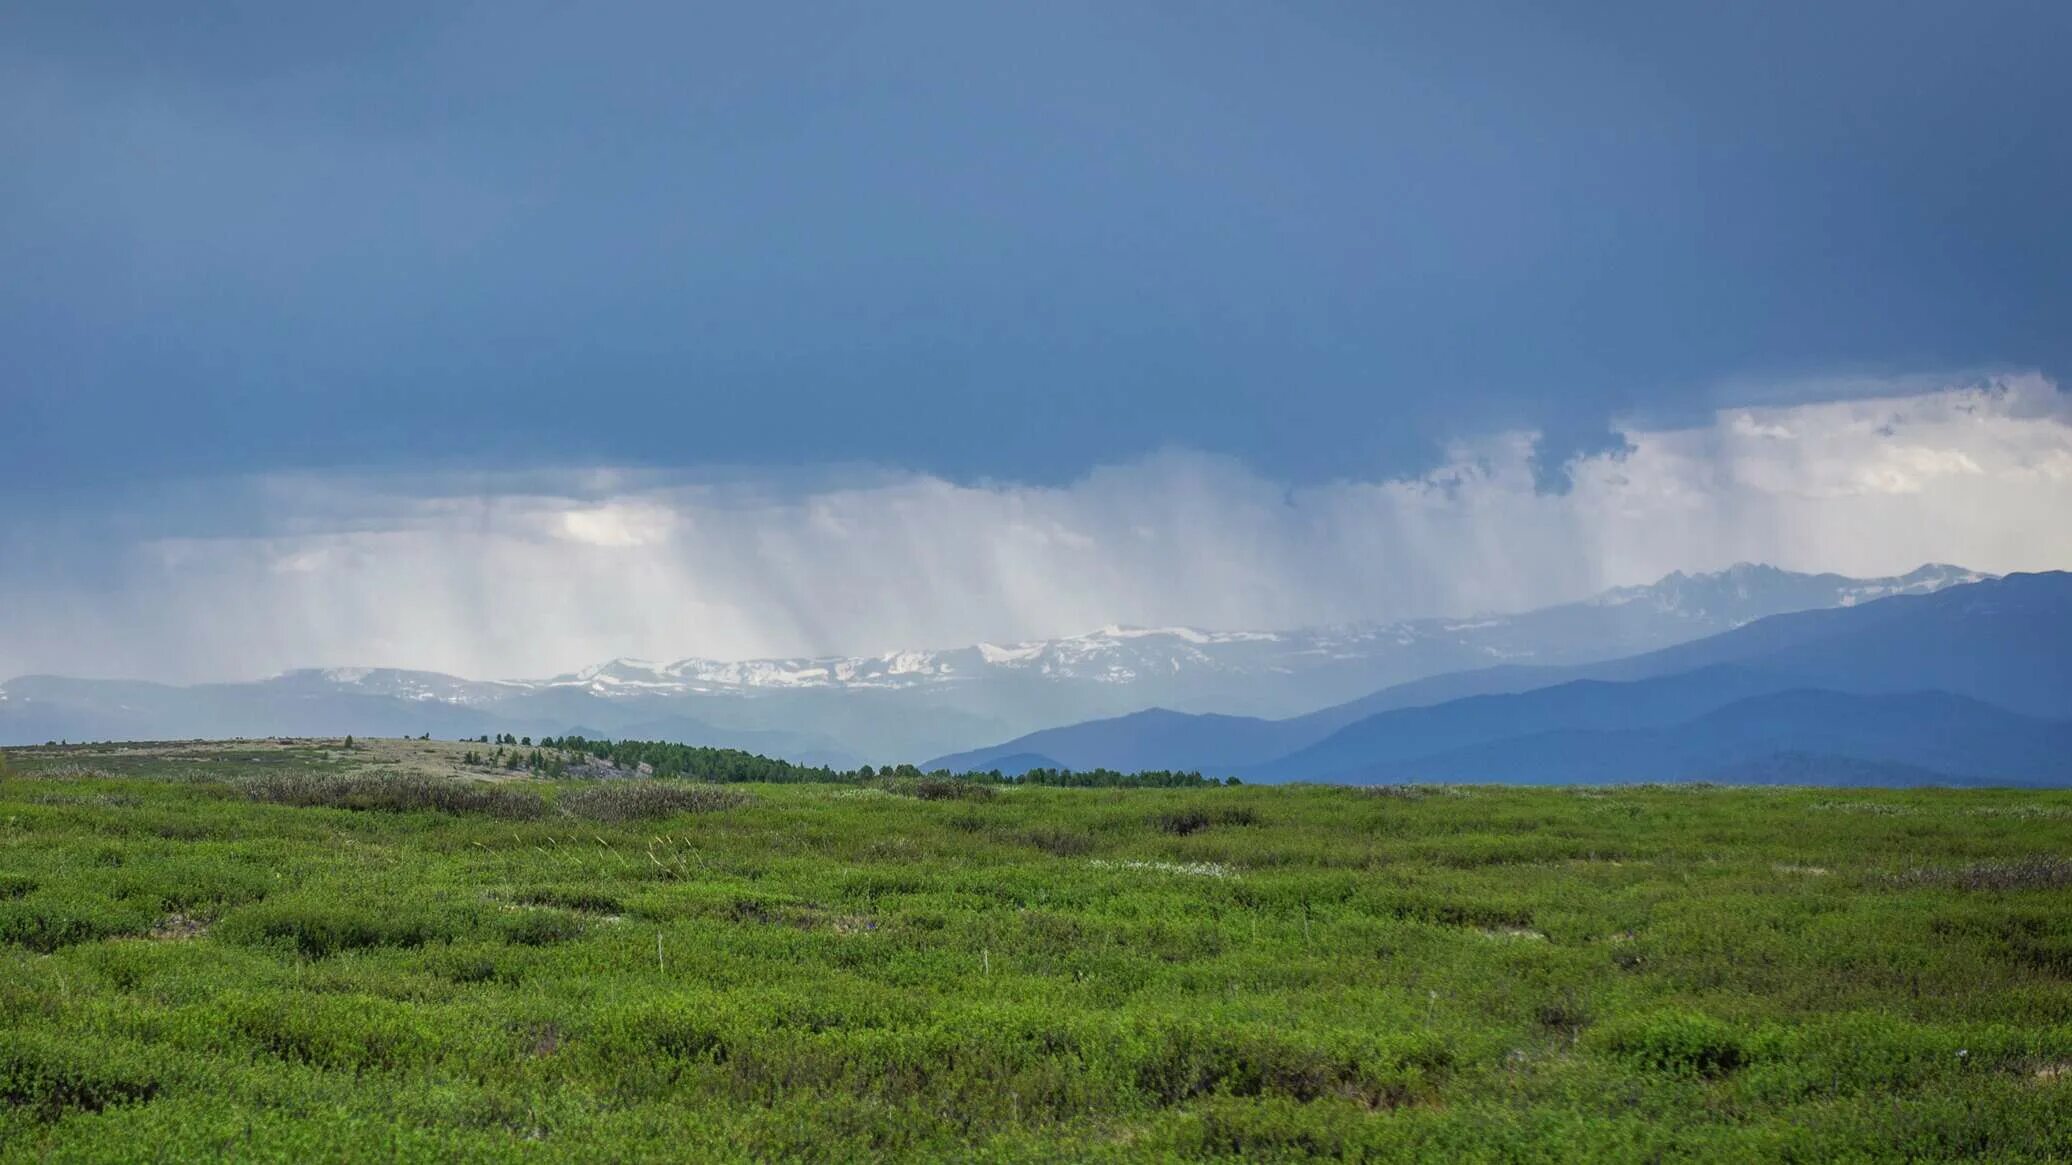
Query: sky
503,338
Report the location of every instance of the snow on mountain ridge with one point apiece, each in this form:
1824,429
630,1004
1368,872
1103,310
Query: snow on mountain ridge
1118,654
1122,654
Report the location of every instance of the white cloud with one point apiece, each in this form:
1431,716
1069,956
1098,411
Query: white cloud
617,524
465,576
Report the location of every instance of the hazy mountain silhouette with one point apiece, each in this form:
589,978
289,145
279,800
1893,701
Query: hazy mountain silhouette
1994,646
905,704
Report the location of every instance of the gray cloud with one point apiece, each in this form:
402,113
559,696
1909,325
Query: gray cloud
538,573
1023,240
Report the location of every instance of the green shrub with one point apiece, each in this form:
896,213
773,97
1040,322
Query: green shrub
647,800
1063,843
44,1079
1181,822
1565,1016
2038,872
317,928
47,920
647,1047
571,898
190,883
1271,1128
396,794
539,928
470,963
1679,1042
1192,1060
332,1031
951,789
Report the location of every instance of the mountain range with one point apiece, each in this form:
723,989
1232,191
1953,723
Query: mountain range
911,703
1968,683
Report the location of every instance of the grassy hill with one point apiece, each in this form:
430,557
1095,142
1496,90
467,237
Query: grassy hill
287,950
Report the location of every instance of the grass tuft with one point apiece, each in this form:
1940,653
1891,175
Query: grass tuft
2042,872
1057,842
622,801
1679,1042
1181,822
951,789
396,794
44,1081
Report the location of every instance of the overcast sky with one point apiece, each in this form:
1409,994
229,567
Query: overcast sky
499,336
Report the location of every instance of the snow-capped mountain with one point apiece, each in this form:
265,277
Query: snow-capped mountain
1677,607
400,684
916,703
1748,590
1111,655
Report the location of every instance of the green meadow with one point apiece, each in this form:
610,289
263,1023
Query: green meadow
300,953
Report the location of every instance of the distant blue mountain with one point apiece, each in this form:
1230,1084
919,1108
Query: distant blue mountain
914,703
1804,736
1579,705
2000,640
1021,762
38,708
1156,738
904,704
1995,646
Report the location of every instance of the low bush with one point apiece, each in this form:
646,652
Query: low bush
951,789
2041,872
1564,1016
45,1080
571,898
48,920
1063,843
190,883
1181,822
470,963
317,928
359,1034
397,794
1679,1042
647,800
539,928
1192,1060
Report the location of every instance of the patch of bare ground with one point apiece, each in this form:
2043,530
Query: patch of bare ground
178,928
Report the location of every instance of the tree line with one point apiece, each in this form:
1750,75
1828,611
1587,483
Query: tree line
554,756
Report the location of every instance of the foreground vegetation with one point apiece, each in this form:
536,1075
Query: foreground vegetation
301,952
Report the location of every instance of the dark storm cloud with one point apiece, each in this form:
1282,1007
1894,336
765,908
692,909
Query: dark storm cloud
992,241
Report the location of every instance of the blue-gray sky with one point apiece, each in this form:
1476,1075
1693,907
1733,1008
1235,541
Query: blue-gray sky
988,240
499,336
